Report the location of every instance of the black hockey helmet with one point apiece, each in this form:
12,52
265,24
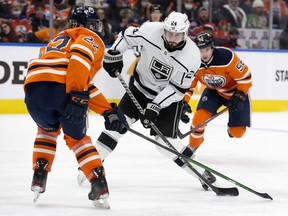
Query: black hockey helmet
85,16
156,7
204,40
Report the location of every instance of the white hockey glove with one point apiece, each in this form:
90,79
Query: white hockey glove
150,114
113,62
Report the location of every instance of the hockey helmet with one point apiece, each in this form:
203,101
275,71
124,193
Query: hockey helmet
156,7
85,16
204,40
177,22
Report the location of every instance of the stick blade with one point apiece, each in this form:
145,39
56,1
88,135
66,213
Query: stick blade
265,196
227,191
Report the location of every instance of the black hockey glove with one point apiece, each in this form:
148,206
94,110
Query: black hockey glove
236,102
186,109
113,62
77,106
115,120
150,114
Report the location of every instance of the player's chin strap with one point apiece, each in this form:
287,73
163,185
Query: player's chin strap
181,136
165,140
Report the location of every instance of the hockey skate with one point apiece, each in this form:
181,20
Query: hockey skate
39,180
99,189
209,177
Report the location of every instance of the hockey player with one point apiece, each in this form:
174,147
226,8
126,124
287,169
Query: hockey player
169,60
228,80
58,91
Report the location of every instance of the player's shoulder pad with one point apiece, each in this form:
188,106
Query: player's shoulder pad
190,56
151,28
222,55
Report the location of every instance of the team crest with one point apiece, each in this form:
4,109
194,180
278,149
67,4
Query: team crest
159,70
214,81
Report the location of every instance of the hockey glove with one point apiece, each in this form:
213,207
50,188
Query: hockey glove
150,114
76,108
115,120
186,109
113,62
237,101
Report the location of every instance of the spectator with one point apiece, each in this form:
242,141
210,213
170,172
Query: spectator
113,12
43,35
258,18
232,40
63,9
93,3
283,40
38,18
232,13
246,5
196,26
31,9
212,31
125,15
4,7
8,34
155,13
140,8
19,22
106,32
167,5
190,8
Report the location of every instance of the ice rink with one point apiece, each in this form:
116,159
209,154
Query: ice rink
143,182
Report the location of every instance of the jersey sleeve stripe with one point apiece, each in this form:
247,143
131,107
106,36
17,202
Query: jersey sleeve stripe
139,36
81,53
182,90
82,61
81,47
244,81
166,98
94,94
45,65
48,61
180,64
63,73
247,74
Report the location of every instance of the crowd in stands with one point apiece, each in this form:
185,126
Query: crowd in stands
29,20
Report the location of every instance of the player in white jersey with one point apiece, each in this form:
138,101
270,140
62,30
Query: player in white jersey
168,63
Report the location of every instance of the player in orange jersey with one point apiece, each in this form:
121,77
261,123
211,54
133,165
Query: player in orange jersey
58,91
227,80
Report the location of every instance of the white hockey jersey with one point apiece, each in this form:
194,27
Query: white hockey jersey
160,75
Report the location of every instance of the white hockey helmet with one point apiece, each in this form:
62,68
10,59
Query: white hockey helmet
177,22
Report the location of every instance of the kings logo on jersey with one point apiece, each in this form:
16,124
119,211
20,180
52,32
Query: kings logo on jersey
159,70
214,81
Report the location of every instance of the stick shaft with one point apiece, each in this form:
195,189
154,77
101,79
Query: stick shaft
181,136
263,195
158,132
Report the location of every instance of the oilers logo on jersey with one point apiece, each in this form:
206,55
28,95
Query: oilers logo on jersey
159,70
214,81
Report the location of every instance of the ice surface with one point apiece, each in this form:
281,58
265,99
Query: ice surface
142,181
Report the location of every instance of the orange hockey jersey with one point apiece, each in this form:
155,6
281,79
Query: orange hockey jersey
225,73
73,58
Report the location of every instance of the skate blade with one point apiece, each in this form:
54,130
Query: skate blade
81,177
36,196
101,204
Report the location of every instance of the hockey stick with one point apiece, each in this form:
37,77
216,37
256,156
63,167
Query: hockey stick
158,132
181,136
220,191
